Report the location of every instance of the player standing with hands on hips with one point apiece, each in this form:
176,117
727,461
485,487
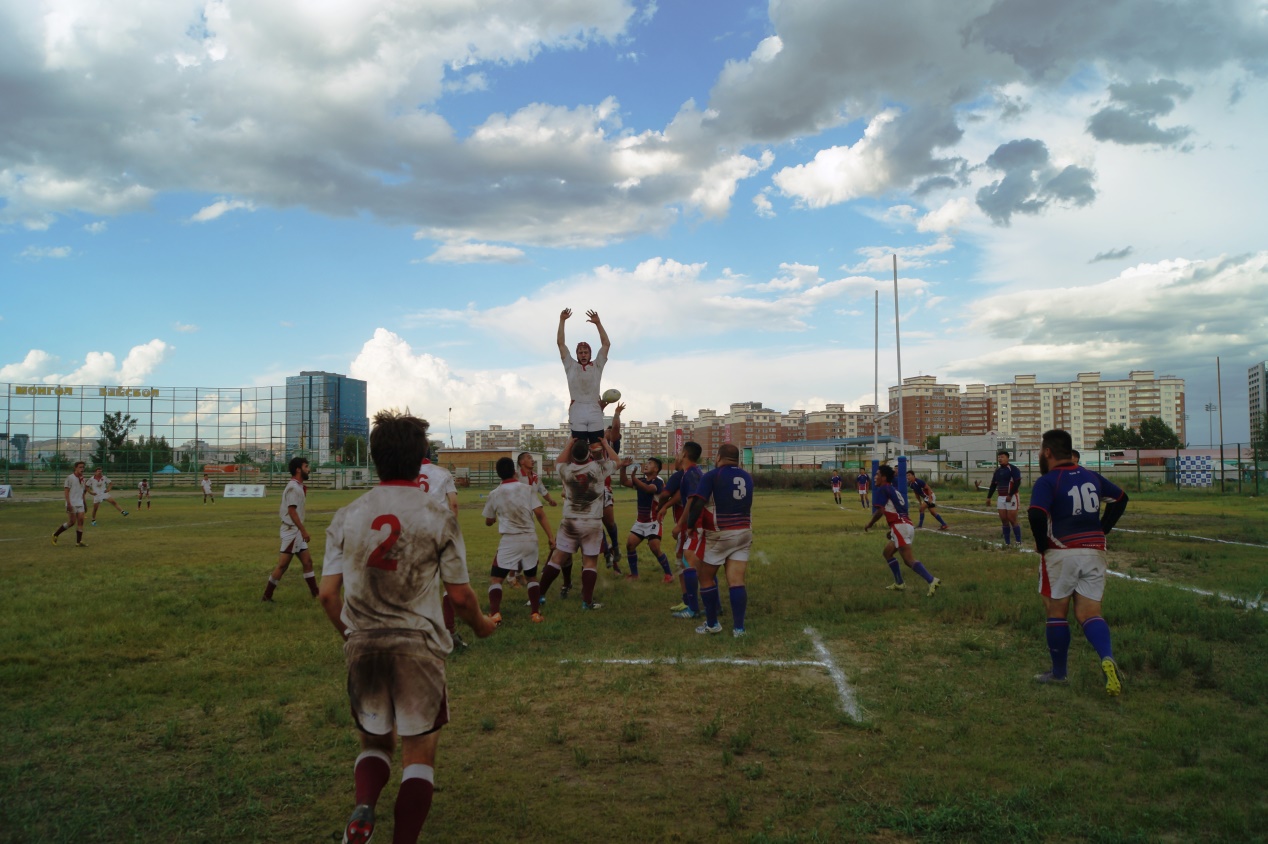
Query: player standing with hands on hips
1007,480
585,410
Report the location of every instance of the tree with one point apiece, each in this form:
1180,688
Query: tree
1154,433
354,451
933,442
242,458
1119,436
57,463
115,428
535,444
146,454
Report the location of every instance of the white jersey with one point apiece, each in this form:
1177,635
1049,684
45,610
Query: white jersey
76,486
532,481
144,486
584,410
583,485
512,504
396,549
294,495
435,480
99,486
206,486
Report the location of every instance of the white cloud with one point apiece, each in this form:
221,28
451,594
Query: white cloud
762,206
33,367
949,216
880,259
97,368
219,208
466,252
841,173
96,227
184,328
39,253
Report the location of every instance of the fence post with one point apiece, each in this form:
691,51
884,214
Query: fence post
967,479
1177,468
1239,468
1138,470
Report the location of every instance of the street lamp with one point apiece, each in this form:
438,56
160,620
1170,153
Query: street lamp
1210,408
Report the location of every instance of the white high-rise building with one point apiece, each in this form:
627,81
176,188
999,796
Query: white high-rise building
1257,394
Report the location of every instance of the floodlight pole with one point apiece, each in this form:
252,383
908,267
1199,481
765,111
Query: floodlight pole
1219,394
898,351
1210,436
876,380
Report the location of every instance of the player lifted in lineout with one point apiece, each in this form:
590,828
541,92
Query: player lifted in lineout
1007,480
891,504
513,507
585,406
389,556
101,487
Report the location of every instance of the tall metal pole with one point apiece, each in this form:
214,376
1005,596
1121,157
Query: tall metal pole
898,351
876,381
451,445
1210,436
1219,393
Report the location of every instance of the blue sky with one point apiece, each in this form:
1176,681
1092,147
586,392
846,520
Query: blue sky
222,194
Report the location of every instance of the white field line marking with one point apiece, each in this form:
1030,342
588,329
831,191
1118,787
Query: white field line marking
849,703
151,527
1256,603
1166,533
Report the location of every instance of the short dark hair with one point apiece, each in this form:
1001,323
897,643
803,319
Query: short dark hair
728,451
1059,442
580,451
657,461
1074,452
398,444
1004,452
294,465
911,471
693,450
79,463
886,472
522,455
505,468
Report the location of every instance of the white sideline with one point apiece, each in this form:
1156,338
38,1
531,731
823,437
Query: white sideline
147,527
849,703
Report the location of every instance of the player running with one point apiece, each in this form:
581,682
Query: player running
582,524
891,504
585,408
927,497
1007,480
727,492
392,552
206,484
646,525
864,484
513,506
835,480
73,493
295,536
101,487
1069,533
143,494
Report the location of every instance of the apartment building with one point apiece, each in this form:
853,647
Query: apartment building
1257,394
928,408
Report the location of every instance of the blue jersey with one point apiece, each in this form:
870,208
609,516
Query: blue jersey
1071,497
1007,480
888,499
645,499
674,485
861,482
836,481
730,489
919,487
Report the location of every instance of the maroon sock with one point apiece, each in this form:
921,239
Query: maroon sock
588,579
534,595
495,598
371,774
413,802
79,536
446,607
552,571
268,590
311,579
566,570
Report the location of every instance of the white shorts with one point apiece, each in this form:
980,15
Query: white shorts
646,530
1003,503
723,545
292,541
691,541
836,487
75,508
586,534
516,552
931,501
1065,571
901,534
608,501
395,682
105,496
585,416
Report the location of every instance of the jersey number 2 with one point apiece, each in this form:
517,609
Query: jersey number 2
378,557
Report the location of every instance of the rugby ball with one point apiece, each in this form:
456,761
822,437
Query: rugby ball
610,396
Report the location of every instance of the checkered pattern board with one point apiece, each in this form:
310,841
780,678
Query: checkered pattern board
1196,471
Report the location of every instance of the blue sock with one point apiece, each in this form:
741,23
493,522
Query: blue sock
739,605
897,570
692,596
1058,631
1017,533
919,568
921,523
631,557
1098,635
664,563
711,604
1008,537
940,521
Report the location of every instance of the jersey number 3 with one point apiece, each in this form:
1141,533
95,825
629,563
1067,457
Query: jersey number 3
741,490
378,557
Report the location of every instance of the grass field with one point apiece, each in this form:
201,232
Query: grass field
146,694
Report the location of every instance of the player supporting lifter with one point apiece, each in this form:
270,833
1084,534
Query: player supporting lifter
513,506
690,546
927,497
101,487
582,526
1069,535
295,536
613,435
891,504
391,553
585,408
1007,480
727,491
73,493
143,494
646,525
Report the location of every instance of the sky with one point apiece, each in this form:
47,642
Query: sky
225,193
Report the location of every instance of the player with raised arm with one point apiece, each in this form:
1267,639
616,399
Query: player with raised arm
1007,480
295,537
864,484
101,487
73,489
582,525
727,492
207,493
143,494
389,556
585,408
1069,530
927,497
513,506
691,537
835,480
890,503
646,525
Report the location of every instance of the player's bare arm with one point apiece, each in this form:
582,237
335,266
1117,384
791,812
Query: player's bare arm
876,517
565,456
540,514
559,337
330,594
604,342
294,514
467,607
624,464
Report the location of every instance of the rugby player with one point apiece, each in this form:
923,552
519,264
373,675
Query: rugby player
73,493
1007,480
890,503
927,497
727,492
101,487
513,506
582,524
295,537
836,486
646,525
585,408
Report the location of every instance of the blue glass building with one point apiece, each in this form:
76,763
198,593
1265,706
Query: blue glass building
323,409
